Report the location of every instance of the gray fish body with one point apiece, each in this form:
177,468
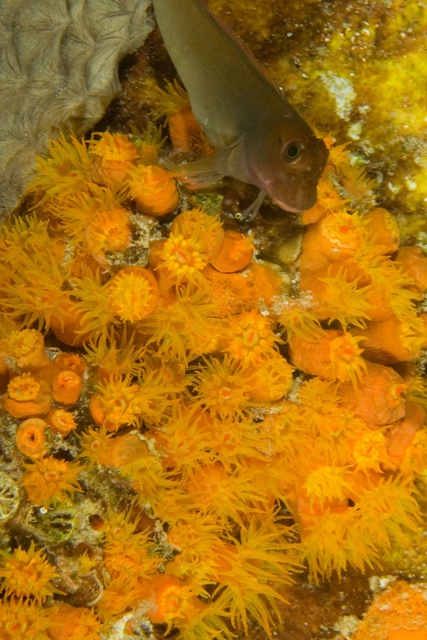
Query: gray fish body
260,138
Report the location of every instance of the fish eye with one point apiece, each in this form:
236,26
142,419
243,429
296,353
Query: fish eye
292,151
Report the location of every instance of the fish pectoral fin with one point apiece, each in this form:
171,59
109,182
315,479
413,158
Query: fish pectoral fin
205,171
250,212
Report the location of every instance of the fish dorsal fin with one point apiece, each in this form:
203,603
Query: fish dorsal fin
242,46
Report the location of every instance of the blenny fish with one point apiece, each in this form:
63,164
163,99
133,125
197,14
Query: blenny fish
260,139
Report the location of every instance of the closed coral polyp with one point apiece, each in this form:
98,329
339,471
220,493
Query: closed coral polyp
235,253
61,421
337,236
31,438
26,396
66,387
172,601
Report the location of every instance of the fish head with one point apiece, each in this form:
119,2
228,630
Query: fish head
287,165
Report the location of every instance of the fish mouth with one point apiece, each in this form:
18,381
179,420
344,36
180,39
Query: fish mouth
294,197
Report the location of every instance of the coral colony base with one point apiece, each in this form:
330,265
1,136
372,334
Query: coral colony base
185,427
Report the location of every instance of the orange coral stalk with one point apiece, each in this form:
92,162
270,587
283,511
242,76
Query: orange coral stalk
108,230
70,362
401,436
26,396
67,387
184,130
4,376
31,438
112,155
73,623
414,263
382,230
393,339
336,237
380,396
235,254
153,189
123,450
399,613
68,324
133,293
334,355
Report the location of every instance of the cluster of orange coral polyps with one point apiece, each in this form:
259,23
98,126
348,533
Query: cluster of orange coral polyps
31,395
195,407
349,273
195,238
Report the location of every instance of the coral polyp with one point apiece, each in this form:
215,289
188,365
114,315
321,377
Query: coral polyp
27,574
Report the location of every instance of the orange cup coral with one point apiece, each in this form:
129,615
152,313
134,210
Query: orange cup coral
235,253
27,574
133,293
26,349
31,438
380,396
66,387
50,479
112,155
334,355
153,189
26,396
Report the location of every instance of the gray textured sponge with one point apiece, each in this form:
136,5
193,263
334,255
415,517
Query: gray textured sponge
58,71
